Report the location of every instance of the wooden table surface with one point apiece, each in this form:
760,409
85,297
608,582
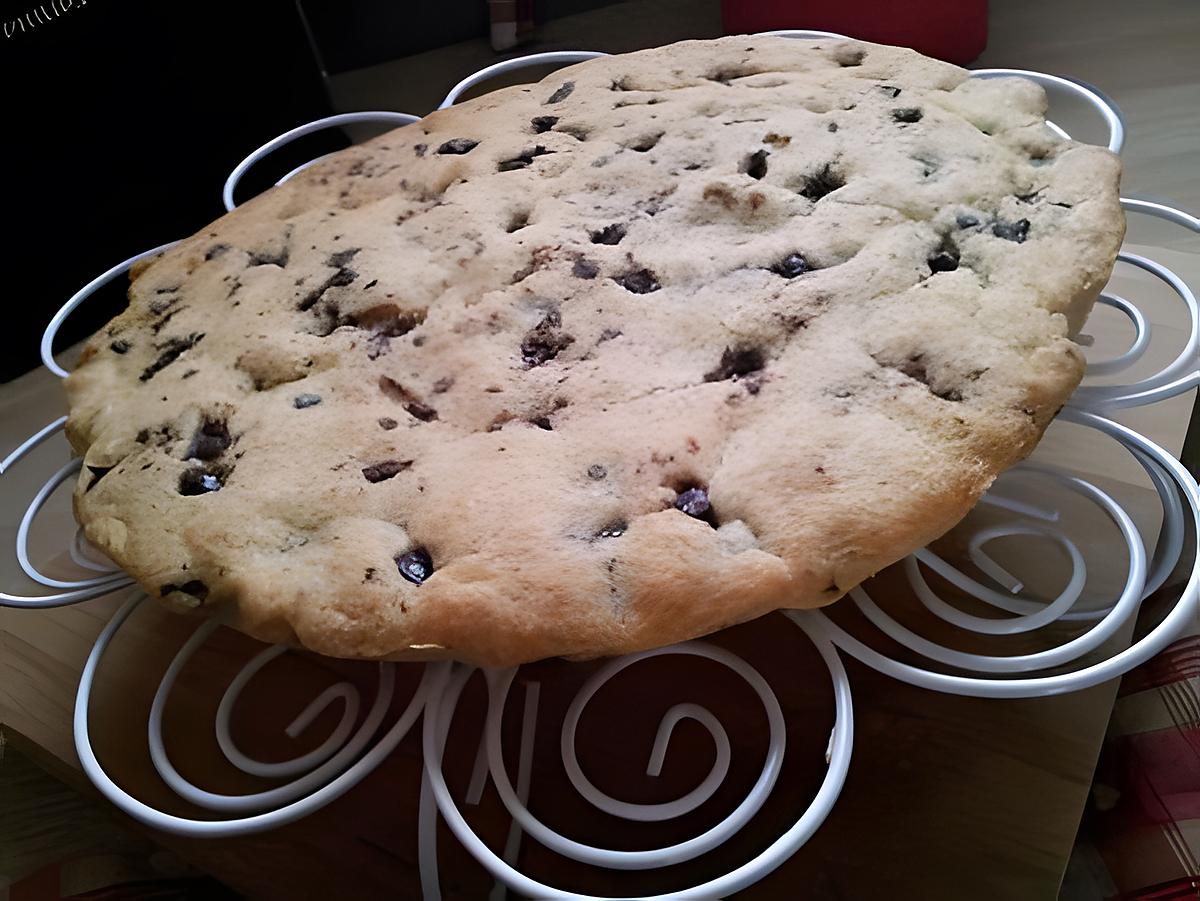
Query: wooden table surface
946,798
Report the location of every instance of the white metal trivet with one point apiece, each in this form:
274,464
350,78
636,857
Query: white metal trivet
362,739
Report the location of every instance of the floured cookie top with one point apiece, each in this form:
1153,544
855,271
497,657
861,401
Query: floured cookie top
663,342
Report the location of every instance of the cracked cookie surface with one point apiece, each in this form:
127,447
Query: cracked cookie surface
654,346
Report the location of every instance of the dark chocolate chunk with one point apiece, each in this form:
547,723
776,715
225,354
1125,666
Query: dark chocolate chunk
790,266
943,261
563,92
300,401
523,159
415,565
610,234
584,268
543,123
1011,231
545,341
457,146
693,502
597,472
755,165
201,480
638,281
824,181
210,441
736,361
170,351
120,346
386,469
831,127
412,404
387,423
907,114
341,258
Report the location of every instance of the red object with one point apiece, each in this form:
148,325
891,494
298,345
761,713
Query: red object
953,30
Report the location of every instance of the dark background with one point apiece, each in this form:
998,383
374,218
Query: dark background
123,118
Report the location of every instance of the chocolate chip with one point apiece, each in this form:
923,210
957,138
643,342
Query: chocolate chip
543,123
1011,231
831,127
614,530
457,147
542,422
563,92
210,441
387,423
195,588
889,89
371,284
386,469
966,220
201,480
339,259
638,281
907,114
945,258
693,502
98,472
544,341
824,181
584,268
791,266
171,350
339,279
412,404
755,165
300,401
736,361
523,159
610,234
419,149
597,472
415,565
119,346
943,262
